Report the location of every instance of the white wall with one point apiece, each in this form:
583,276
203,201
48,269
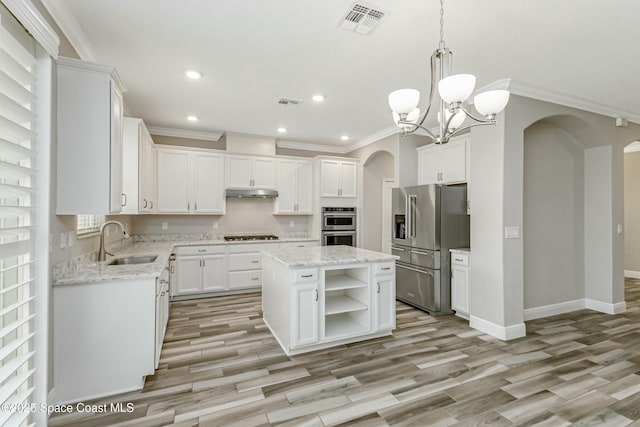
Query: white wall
254,145
553,232
632,211
497,163
378,167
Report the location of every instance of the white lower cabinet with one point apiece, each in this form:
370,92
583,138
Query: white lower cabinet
385,298
310,309
305,309
162,312
200,269
460,282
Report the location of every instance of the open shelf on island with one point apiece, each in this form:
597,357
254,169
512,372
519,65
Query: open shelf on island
342,325
335,304
342,281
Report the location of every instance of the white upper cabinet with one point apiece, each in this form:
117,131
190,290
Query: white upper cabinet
89,114
173,181
295,187
208,183
190,182
443,164
251,172
338,178
138,164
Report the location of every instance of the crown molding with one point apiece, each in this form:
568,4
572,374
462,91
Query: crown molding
31,19
77,64
305,146
374,137
633,147
70,28
530,91
184,133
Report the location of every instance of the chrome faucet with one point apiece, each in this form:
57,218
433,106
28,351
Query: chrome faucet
102,253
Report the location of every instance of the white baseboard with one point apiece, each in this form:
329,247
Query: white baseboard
606,307
553,309
632,274
504,333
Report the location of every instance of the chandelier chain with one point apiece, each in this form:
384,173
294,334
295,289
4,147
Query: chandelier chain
441,22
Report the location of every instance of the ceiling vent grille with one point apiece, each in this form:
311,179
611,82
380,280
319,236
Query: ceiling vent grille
285,101
362,18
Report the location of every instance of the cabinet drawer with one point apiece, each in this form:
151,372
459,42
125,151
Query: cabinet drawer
250,261
384,268
201,250
245,279
288,245
235,248
460,259
306,276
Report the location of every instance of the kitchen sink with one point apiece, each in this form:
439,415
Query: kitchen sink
138,259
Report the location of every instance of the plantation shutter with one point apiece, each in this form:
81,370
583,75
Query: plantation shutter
17,196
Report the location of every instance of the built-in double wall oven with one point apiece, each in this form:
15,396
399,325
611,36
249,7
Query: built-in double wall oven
338,226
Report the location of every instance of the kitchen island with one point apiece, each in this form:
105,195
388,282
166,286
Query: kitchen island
320,297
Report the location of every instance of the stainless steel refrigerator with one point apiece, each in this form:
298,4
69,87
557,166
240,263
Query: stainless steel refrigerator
428,220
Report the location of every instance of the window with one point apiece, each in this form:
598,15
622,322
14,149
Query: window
88,223
17,212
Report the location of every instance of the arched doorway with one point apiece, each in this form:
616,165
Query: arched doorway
632,210
377,168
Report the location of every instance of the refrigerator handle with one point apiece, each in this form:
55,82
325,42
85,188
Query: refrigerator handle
412,207
407,210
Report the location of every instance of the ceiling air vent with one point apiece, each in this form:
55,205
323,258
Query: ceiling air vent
285,101
362,18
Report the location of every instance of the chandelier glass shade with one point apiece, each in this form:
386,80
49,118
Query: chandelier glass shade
453,90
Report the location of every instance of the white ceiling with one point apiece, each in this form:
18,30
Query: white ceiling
253,52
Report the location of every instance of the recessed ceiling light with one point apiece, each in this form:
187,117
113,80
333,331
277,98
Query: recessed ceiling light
192,118
282,130
193,74
317,98
344,137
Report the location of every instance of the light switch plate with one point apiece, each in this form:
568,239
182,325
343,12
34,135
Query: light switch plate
292,224
71,239
215,225
512,232
63,240
619,228
165,225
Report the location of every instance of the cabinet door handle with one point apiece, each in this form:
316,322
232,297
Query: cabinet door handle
202,250
150,202
188,206
306,276
393,248
195,206
255,278
201,262
255,261
316,292
385,268
458,259
204,262
124,199
378,283
173,269
145,203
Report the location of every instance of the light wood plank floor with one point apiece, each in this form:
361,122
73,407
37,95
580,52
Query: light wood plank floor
220,366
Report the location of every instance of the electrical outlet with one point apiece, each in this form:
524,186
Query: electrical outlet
71,239
292,224
512,232
215,225
50,243
63,240
165,225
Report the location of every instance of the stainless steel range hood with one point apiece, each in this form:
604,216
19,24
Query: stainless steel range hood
255,193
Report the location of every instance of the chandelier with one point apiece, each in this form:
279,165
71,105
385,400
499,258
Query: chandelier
454,90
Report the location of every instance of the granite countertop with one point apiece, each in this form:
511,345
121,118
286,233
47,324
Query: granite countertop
100,271
326,255
94,272
461,250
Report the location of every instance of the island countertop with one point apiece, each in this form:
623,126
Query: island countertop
326,255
